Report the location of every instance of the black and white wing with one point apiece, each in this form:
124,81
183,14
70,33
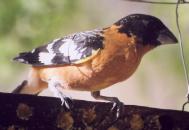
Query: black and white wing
72,49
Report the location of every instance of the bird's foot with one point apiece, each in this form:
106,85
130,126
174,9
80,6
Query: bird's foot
117,107
55,87
66,101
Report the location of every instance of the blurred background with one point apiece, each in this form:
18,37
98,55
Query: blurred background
26,24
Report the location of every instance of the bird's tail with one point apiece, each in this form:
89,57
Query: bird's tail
19,88
33,85
26,88
26,57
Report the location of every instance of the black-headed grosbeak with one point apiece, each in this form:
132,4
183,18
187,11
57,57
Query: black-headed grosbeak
94,60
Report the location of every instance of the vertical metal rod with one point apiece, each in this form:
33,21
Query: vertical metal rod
182,51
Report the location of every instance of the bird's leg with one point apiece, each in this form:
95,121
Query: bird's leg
116,103
55,89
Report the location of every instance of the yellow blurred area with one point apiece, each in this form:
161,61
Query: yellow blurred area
158,82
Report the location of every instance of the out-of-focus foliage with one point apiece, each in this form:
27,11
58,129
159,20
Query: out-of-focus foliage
26,24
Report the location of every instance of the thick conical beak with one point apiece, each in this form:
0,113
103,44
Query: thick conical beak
167,37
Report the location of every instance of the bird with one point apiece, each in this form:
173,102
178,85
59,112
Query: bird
93,60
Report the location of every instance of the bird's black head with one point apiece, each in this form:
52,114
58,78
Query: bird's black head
148,29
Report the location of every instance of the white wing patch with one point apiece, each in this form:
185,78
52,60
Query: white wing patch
21,60
50,46
70,48
64,48
46,58
74,52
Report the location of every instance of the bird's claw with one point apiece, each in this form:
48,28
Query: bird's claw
117,108
66,102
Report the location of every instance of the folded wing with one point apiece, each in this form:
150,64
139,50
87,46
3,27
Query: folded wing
72,49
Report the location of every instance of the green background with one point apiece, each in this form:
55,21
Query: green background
26,24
